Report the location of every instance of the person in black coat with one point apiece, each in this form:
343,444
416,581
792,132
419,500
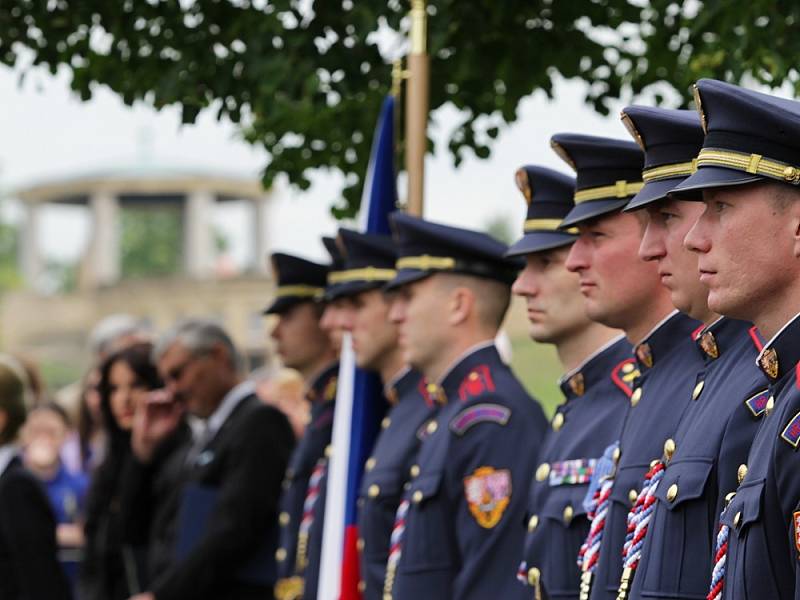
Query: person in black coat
111,570
29,568
227,522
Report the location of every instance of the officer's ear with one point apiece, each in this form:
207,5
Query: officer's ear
462,304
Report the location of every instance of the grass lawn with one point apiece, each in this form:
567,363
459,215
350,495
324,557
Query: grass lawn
538,368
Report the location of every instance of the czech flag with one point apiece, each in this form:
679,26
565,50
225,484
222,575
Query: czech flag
360,404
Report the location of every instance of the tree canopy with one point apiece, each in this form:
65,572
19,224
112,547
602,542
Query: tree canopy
305,79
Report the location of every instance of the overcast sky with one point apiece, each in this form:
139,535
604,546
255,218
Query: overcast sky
48,132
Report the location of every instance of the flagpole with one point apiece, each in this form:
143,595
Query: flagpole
417,107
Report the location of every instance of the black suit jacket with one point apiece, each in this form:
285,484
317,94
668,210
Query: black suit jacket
29,569
245,462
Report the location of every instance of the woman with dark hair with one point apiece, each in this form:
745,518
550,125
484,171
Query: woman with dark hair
109,570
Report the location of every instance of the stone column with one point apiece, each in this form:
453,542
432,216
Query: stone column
105,247
198,240
30,259
260,210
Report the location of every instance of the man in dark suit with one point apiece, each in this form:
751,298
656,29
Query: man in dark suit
29,569
227,523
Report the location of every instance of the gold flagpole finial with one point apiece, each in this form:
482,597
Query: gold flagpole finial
419,27
398,74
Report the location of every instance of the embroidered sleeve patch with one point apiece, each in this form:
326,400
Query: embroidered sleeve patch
488,492
480,413
624,375
796,520
791,433
478,381
572,472
757,404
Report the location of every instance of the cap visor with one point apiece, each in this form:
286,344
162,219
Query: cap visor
539,241
281,305
353,288
406,276
653,192
714,177
592,209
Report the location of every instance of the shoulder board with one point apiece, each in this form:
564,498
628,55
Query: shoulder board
757,403
624,374
480,413
791,433
478,381
330,389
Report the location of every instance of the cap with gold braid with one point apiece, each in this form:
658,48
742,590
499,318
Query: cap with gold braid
337,264
298,280
369,262
609,173
549,197
671,140
425,248
750,138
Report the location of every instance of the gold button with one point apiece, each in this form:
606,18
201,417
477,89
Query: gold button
542,472
534,576
473,376
417,497
414,470
370,464
569,512
280,554
432,427
636,396
669,448
737,520
284,518
374,490
627,368
328,451
386,422
741,473
632,495
770,405
533,522
362,586
615,455
558,421
360,544
698,390
672,492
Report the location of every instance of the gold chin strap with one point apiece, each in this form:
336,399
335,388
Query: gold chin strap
545,225
304,291
427,263
621,189
754,164
364,274
683,169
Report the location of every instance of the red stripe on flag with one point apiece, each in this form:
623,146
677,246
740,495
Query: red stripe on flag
351,575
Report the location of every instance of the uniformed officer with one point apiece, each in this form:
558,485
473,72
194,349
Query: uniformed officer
730,394
457,532
369,264
747,243
623,291
302,345
596,386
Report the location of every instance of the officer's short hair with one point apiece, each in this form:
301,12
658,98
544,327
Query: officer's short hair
492,298
12,397
782,195
198,336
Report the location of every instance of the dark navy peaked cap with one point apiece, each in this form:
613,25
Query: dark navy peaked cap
671,140
369,262
337,264
549,197
609,173
298,279
750,137
425,248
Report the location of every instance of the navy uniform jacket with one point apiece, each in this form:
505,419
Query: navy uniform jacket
713,440
463,533
597,395
387,471
310,448
669,364
764,547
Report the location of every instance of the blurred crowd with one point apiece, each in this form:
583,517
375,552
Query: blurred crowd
88,471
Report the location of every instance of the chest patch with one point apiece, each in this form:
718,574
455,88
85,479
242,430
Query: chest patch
757,404
572,472
477,382
488,492
791,433
480,413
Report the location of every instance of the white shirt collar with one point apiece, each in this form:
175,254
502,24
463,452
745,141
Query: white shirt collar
775,337
7,454
227,406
